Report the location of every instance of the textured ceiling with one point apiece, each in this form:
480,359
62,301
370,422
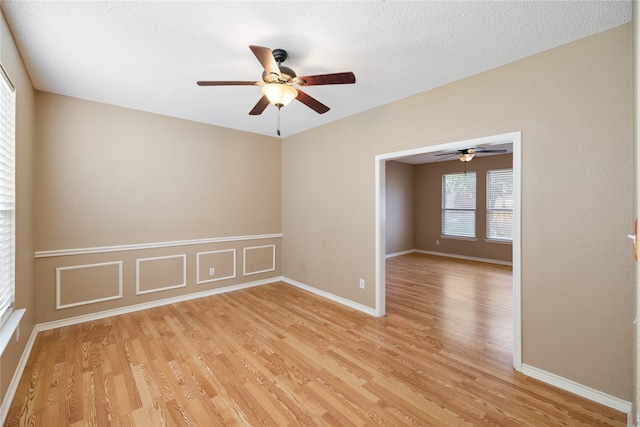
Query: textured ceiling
149,55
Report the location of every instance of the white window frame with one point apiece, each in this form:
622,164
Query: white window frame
9,316
448,210
491,236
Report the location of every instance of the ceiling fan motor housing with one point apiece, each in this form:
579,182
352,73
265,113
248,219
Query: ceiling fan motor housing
286,75
280,55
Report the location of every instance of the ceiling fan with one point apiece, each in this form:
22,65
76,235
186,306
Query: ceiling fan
466,154
278,82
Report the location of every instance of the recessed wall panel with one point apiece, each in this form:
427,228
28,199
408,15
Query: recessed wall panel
213,266
259,259
160,273
86,284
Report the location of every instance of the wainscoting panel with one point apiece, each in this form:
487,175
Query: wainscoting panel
161,273
87,284
213,266
259,259
79,282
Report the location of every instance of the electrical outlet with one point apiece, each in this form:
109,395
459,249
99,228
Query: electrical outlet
212,271
361,283
437,242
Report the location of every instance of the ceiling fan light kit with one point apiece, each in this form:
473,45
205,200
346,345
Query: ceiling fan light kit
278,81
279,94
466,157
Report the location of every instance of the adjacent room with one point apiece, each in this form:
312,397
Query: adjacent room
275,213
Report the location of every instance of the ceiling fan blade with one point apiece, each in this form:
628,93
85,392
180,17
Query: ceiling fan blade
328,79
480,150
260,106
227,83
312,103
265,56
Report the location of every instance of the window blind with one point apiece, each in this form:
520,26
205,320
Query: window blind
7,198
459,204
500,204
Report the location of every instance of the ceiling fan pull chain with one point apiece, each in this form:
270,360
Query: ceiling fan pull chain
278,121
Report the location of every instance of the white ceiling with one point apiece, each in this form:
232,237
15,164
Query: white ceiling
148,55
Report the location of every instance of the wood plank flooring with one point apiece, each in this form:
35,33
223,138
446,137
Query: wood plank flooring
275,355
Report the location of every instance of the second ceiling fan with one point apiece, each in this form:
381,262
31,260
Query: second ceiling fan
465,155
280,84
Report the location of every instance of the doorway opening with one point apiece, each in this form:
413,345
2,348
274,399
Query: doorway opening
515,140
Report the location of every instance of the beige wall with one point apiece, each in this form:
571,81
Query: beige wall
573,105
12,63
114,185
112,176
428,227
400,207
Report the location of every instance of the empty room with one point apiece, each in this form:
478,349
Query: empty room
318,213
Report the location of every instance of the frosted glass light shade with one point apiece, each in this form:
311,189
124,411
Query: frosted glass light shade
466,157
279,94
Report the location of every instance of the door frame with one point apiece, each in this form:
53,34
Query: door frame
514,138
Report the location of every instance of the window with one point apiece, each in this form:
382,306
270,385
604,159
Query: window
500,204
459,204
7,199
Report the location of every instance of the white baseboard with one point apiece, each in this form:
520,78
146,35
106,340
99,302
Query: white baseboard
581,390
158,303
332,297
468,258
395,254
15,380
137,307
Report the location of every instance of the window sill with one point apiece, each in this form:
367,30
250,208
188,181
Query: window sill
504,242
9,327
468,239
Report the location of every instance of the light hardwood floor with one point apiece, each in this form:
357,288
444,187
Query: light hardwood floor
275,355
